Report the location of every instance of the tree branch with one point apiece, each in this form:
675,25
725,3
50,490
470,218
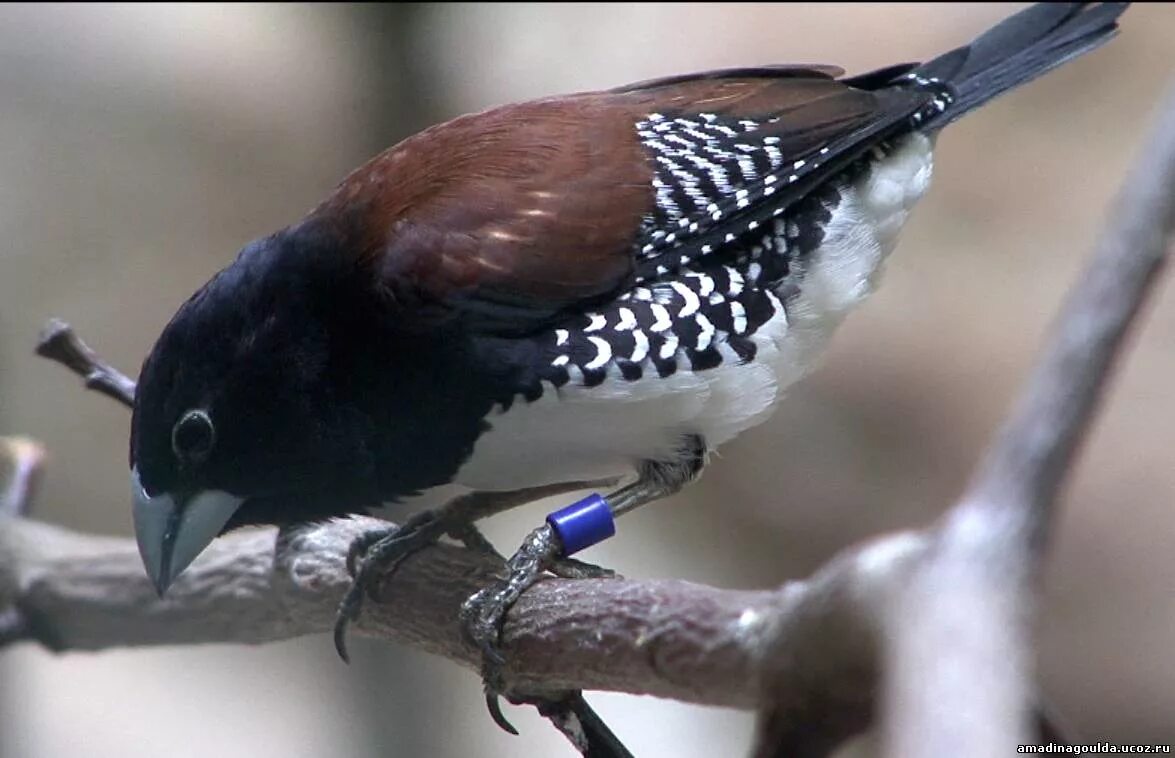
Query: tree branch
21,462
57,342
959,633
667,638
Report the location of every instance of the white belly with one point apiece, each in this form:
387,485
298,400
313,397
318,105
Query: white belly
578,432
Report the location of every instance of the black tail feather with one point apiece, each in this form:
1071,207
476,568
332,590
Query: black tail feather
1018,50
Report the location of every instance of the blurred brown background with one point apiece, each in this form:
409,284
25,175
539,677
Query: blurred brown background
141,146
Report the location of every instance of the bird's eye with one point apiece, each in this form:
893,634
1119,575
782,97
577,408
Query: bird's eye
193,436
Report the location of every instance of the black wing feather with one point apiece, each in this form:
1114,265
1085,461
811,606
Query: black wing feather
722,175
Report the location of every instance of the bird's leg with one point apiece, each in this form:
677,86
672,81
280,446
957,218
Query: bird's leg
547,549
375,555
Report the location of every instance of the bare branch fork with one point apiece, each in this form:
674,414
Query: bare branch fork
927,629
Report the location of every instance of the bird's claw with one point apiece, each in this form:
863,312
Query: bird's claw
494,706
348,611
571,568
482,617
375,555
362,544
484,613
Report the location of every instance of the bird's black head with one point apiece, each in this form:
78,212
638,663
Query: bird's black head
241,411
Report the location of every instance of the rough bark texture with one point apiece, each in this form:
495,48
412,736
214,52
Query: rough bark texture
667,638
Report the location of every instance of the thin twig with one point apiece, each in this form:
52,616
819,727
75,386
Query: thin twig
58,342
21,462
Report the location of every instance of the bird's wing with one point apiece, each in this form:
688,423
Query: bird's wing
511,215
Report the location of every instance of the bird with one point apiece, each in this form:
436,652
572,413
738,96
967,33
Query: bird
597,286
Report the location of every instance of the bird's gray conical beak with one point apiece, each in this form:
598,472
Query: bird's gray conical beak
173,529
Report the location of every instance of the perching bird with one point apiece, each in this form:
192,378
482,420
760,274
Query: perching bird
566,289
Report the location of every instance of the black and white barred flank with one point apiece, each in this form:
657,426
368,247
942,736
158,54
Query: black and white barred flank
698,317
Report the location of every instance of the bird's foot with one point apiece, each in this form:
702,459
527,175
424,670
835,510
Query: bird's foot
374,556
570,568
483,614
